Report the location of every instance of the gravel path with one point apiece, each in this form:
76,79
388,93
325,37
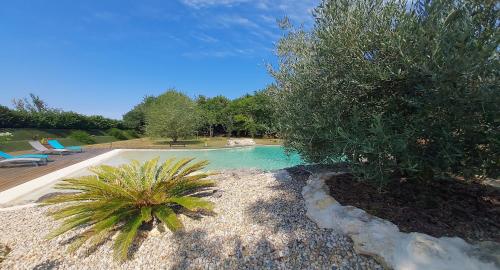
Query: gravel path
261,223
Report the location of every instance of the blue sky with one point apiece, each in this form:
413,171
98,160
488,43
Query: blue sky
103,56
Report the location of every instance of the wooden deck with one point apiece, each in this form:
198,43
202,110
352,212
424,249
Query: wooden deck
16,175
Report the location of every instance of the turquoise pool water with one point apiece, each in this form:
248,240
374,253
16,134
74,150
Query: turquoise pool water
259,157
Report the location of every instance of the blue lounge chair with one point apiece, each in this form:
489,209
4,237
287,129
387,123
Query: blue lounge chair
7,156
40,148
34,161
57,145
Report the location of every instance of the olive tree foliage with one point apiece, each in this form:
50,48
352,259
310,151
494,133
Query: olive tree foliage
395,88
171,115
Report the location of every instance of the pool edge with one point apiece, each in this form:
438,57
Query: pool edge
16,192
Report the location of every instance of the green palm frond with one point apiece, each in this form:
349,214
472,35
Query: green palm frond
168,216
126,236
121,199
192,203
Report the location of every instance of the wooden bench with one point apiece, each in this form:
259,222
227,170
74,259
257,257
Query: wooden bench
176,144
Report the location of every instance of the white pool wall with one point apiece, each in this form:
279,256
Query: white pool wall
42,181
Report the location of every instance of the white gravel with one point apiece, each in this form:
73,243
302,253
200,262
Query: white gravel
261,224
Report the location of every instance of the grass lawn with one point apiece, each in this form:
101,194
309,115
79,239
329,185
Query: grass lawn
193,143
21,136
22,146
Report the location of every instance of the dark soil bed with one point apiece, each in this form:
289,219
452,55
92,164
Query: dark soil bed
441,208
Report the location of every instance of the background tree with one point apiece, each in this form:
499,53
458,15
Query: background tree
34,104
173,115
136,118
35,113
396,88
212,112
250,115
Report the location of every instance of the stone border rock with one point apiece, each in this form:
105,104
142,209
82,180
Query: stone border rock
382,239
240,142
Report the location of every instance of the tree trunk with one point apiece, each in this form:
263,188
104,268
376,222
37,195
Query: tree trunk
174,139
211,131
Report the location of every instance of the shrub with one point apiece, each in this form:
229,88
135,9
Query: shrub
399,89
125,198
117,133
82,137
5,137
131,134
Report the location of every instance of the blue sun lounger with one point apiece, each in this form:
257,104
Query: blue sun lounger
28,158
33,161
40,156
57,145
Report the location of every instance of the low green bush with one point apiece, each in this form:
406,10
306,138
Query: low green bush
117,133
131,134
82,136
5,137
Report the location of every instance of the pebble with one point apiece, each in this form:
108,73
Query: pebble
261,223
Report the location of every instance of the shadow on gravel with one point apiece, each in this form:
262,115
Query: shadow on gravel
293,242
200,250
283,212
47,265
209,252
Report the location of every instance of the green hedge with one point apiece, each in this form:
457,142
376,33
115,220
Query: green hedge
82,136
19,134
54,119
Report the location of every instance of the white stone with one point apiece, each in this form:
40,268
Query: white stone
383,240
240,142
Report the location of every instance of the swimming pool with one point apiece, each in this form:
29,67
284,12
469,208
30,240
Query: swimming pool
265,158
257,157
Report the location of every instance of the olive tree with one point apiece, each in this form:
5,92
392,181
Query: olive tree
406,89
171,115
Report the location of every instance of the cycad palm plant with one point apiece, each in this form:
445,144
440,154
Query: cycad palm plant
126,197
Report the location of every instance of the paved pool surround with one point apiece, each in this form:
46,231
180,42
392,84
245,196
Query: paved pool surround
19,191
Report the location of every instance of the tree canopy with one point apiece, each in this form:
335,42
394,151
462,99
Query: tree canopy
394,87
249,115
136,118
212,112
173,115
35,113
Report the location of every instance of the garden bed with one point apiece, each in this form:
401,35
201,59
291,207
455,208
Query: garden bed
439,208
